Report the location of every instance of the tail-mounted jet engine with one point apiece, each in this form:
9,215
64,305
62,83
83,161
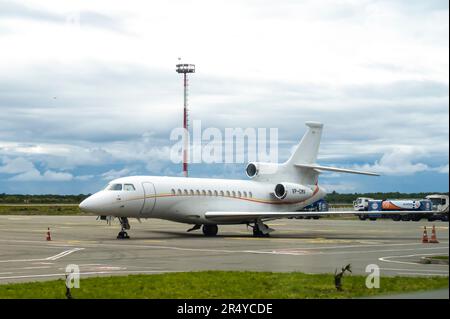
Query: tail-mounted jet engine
292,192
257,169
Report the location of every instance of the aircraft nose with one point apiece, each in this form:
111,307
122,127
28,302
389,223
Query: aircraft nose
84,205
90,205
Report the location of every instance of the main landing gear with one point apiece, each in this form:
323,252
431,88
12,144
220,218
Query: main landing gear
125,225
210,230
260,229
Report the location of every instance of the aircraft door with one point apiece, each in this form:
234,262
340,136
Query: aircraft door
149,199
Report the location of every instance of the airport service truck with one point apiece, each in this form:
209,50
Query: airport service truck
434,207
318,206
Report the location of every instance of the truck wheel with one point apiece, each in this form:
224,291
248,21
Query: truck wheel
362,217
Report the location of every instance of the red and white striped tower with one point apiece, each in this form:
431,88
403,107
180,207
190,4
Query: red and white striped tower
185,69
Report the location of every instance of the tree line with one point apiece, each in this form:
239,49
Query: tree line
41,199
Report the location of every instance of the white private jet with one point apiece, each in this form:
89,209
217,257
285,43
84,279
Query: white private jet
274,191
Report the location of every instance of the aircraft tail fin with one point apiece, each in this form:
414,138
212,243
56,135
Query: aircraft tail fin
307,149
302,162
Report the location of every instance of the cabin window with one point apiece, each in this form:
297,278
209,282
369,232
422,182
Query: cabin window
129,187
115,187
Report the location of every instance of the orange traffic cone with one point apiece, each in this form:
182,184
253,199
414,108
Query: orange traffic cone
433,239
425,235
49,237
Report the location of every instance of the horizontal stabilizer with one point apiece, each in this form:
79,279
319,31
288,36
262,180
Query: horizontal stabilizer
335,169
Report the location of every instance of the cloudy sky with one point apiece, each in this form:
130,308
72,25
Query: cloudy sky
89,92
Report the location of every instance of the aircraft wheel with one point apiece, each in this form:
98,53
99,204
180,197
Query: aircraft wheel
259,233
123,235
210,230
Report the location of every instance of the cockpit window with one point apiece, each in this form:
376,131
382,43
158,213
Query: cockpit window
115,187
129,187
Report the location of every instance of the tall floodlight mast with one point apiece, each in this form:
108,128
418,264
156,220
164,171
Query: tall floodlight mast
185,69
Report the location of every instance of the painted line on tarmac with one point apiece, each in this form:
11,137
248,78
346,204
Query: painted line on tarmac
428,270
36,267
55,257
385,259
92,273
421,274
306,252
274,252
63,254
94,243
384,250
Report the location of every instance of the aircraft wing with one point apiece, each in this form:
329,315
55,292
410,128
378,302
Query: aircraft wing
252,216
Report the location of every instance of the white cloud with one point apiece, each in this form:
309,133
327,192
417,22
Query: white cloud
16,165
340,187
57,176
113,174
444,169
100,95
25,170
48,176
84,177
401,161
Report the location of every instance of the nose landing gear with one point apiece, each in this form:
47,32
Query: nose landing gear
125,225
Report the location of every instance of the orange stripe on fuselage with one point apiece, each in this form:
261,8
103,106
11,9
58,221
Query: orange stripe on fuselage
261,201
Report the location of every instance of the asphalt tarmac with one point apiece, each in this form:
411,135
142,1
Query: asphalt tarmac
156,246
